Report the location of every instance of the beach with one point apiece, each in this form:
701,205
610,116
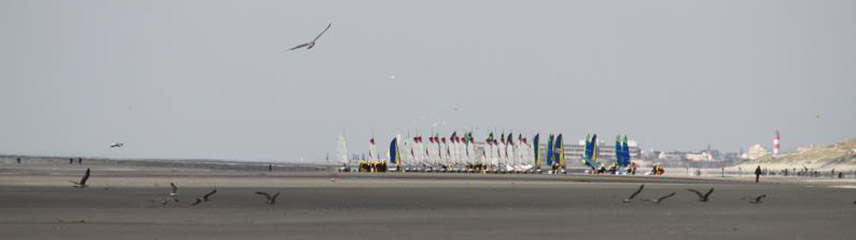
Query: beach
39,203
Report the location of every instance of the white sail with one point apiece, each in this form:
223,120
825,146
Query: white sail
372,150
342,149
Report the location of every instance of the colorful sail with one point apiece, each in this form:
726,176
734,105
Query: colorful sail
619,151
549,149
590,157
537,151
510,139
625,152
559,150
394,154
589,149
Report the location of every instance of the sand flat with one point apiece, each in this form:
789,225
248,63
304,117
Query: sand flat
35,205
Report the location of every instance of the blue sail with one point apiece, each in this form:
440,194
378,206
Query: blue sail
589,147
559,150
394,155
590,157
537,151
549,149
510,139
625,152
619,155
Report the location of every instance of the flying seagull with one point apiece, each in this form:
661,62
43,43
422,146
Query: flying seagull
658,200
204,198
630,198
117,145
174,193
755,200
311,44
702,197
270,199
82,183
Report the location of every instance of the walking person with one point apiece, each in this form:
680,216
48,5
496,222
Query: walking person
757,173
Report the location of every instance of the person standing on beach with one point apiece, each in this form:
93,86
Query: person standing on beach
757,173
19,160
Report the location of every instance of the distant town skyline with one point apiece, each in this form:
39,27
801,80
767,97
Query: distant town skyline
213,79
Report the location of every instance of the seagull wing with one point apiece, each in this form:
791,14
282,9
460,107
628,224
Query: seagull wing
664,197
299,46
708,193
322,32
209,194
696,192
174,188
85,177
637,192
265,194
198,200
273,199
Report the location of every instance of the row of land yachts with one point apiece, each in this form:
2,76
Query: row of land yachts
498,153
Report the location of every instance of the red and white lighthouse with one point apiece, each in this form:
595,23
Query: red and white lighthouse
776,144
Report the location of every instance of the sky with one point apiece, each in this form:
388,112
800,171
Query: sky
212,79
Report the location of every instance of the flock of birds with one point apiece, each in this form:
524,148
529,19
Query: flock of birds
173,194
702,197
271,198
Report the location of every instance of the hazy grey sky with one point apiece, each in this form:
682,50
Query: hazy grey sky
211,79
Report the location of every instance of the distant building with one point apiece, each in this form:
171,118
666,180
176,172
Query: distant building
670,156
703,156
755,151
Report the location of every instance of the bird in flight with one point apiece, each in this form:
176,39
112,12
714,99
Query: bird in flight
630,198
270,199
117,145
204,198
311,44
702,197
658,200
755,200
82,183
173,195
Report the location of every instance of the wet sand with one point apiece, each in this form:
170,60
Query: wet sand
40,204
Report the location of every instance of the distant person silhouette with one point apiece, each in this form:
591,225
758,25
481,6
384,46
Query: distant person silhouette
757,173
79,161
71,161
270,167
19,160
